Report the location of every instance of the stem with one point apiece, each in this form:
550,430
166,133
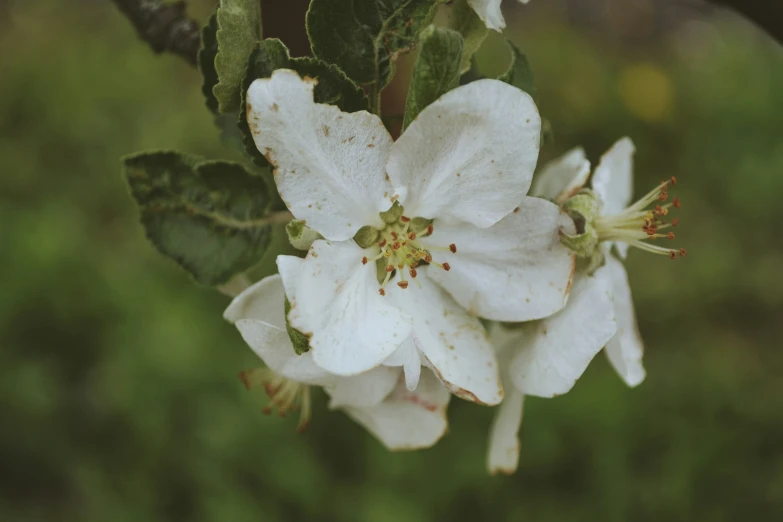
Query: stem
375,98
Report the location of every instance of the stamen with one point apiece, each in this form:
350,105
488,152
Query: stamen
638,222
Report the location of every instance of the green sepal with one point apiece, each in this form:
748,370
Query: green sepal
300,341
583,244
419,223
300,235
393,214
519,73
466,22
238,31
584,205
208,216
380,269
333,86
436,71
365,37
366,236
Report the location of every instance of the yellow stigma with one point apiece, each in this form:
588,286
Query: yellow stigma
642,221
284,394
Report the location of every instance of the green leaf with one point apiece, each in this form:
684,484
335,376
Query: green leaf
209,216
206,62
519,73
333,86
239,29
466,22
300,341
364,37
436,71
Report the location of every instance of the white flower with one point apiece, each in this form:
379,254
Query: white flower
489,12
619,225
546,358
377,399
465,163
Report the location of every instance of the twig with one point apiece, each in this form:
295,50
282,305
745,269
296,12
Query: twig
165,27
766,14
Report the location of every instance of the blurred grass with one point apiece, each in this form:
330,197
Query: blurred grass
118,396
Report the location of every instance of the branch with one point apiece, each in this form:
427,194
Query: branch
165,27
766,14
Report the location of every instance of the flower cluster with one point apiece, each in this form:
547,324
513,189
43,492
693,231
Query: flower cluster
433,270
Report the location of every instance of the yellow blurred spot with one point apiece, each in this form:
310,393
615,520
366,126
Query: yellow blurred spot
646,91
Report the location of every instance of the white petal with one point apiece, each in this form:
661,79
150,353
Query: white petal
408,420
274,347
264,301
330,166
564,344
407,356
337,303
517,270
489,12
470,155
363,390
613,177
454,343
625,350
562,178
503,453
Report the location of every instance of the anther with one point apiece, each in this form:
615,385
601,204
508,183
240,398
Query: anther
382,291
382,243
428,258
394,235
676,203
364,260
405,219
675,222
396,245
672,254
389,268
673,180
453,248
430,228
664,196
413,272
446,267
670,235
682,252
402,284
412,236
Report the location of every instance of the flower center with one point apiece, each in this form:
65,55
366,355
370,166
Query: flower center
642,221
284,394
399,249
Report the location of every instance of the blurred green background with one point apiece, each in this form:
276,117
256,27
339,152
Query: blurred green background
118,392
